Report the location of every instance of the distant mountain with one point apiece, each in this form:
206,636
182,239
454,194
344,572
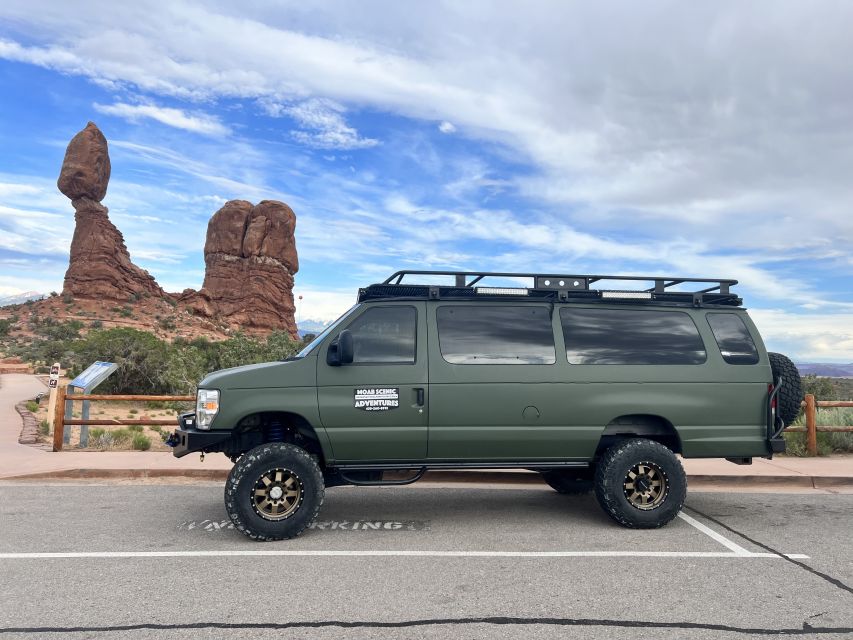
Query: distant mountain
826,369
20,298
310,326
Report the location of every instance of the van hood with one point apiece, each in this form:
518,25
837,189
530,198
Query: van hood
289,373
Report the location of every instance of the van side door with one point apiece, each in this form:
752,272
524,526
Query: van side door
376,408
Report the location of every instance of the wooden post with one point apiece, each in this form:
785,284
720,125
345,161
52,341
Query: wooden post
53,384
811,425
59,419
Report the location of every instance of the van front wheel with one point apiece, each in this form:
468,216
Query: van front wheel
274,492
640,484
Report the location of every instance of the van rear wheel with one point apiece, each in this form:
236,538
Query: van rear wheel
274,492
640,484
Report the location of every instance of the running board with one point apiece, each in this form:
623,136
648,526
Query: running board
458,465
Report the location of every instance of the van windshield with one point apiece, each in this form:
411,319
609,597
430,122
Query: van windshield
316,341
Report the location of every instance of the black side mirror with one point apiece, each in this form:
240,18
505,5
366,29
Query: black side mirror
340,350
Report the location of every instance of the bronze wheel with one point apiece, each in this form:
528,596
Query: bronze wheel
645,486
277,494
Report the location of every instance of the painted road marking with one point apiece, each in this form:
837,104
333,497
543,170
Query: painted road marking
211,526
739,550
400,553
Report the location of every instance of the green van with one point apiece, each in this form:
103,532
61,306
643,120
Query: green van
595,387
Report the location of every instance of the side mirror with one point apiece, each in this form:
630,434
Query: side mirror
340,350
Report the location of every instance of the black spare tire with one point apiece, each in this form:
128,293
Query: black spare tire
791,392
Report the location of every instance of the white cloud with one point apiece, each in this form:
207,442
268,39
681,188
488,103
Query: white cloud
807,337
196,122
447,127
324,127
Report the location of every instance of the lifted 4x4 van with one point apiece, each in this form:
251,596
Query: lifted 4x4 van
592,387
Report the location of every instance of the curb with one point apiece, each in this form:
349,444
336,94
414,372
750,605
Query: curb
30,427
441,477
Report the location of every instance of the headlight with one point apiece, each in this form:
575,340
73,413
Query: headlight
206,407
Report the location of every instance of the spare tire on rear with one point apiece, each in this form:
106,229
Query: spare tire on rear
790,394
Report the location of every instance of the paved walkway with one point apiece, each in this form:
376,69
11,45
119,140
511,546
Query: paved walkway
18,460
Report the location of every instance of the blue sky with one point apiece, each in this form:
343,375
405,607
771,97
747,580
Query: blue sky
712,141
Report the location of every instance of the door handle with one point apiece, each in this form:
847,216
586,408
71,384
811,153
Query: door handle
420,397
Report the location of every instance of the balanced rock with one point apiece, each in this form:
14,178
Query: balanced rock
86,168
250,260
100,265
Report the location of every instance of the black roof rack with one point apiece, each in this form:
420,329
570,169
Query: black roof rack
555,287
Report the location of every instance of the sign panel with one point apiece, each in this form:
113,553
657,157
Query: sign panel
53,383
93,376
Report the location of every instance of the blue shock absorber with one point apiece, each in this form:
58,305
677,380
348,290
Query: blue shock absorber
275,432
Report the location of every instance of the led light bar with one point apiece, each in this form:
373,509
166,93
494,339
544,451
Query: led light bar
501,291
629,295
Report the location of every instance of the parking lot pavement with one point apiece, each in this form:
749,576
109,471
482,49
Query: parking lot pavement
91,561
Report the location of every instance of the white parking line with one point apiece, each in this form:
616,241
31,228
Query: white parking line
739,550
382,553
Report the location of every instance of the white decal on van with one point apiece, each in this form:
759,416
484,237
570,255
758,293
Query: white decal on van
373,399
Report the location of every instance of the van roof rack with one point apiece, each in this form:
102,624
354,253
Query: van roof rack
554,287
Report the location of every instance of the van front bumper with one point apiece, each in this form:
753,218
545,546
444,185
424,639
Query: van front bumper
187,439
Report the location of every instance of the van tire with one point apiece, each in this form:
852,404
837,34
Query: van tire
284,469
791,392
568,482
642,508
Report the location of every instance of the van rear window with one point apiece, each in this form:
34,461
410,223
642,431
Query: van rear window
732,336
630,336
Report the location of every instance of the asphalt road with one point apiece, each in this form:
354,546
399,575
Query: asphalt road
162,561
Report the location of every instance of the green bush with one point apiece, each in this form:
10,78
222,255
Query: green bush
96,434
120,437
141,442
136,428
5,327
156,428
133,411
32,406
44,427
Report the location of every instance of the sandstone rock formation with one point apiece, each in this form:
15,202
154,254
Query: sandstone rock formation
250,260
100,266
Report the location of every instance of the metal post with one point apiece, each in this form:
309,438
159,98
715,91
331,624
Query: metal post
67,410
59,419
811,425
84,429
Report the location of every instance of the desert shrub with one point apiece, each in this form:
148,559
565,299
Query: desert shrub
156,428
5,326
136,428
96,324
32,406
126,312
120,437
95,434
44,427
141,442
133,411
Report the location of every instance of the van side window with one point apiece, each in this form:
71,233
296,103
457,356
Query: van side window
732,336
486,334
384,335
629,336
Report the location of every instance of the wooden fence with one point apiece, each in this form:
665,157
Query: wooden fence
60,421
811,427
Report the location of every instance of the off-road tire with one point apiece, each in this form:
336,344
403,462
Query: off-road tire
611,475
569,482
791,392
240,487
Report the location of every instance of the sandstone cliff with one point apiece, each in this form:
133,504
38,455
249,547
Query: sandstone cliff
99,265
250,260
250,255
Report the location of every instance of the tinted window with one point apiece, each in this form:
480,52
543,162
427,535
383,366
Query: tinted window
384,334
496,335
733,338
629,336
